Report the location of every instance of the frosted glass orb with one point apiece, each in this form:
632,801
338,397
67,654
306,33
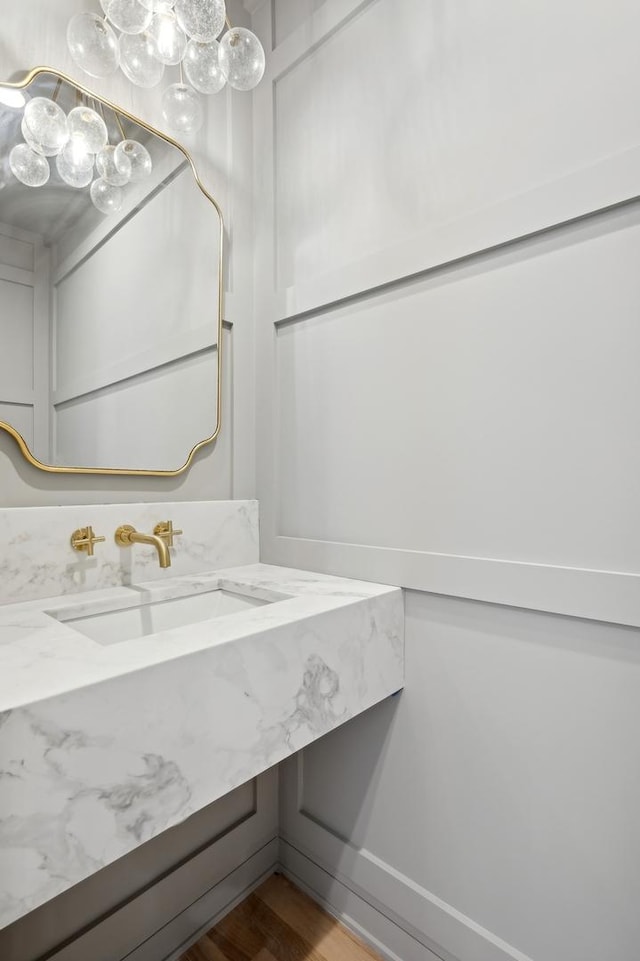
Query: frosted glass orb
87,129
181,108
117,176
202,67
203,20
44,126
29,167
77,155
106,197
31,141
138,60
75,172
93,45
158,6
35,144
128,15
130,156
169,38
242,58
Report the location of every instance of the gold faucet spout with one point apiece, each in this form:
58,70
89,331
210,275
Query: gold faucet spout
127,536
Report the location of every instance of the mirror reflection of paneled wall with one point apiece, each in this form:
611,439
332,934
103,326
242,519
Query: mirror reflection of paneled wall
24,335
108,322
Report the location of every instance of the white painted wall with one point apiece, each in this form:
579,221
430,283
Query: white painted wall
447,294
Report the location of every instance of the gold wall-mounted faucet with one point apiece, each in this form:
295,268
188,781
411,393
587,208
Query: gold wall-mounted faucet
127,536
83,540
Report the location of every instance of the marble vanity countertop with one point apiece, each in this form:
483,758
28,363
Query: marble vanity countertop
104,746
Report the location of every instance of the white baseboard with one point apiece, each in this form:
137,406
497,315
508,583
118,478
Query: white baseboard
369,924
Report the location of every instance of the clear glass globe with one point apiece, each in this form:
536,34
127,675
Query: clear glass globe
169,38
158,6
35,144
44,126
132,157
128,15
93,45
182,108
138,60
29,167
77,155
242,58
87,129
107,198
117,176
202,67
76,170
31,141
203,20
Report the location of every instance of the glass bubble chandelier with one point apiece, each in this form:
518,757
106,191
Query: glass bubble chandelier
144,38
77,143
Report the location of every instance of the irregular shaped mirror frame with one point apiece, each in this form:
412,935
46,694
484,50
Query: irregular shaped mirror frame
22,444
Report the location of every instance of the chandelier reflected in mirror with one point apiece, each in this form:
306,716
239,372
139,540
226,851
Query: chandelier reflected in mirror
74,138
145,37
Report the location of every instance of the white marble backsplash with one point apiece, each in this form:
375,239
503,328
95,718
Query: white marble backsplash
37,560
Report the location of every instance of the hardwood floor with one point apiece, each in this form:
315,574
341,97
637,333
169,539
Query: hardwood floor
279,923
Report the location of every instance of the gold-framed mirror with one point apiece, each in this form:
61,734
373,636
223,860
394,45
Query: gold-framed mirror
111,295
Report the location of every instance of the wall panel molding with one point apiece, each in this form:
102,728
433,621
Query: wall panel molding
615,182
567,208
438,926
598,595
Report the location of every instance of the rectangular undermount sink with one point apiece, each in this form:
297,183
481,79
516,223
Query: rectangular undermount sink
130,623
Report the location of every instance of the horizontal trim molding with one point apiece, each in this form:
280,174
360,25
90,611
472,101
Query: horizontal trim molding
26,398
597,595
17,275
612,183
172,350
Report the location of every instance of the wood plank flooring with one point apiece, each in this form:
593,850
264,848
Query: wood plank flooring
279,923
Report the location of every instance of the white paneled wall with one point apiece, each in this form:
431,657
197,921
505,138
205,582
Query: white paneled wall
448,235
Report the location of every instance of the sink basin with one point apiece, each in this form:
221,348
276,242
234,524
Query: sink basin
129,623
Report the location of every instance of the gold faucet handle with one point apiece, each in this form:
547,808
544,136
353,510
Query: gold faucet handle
166,531
83,540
